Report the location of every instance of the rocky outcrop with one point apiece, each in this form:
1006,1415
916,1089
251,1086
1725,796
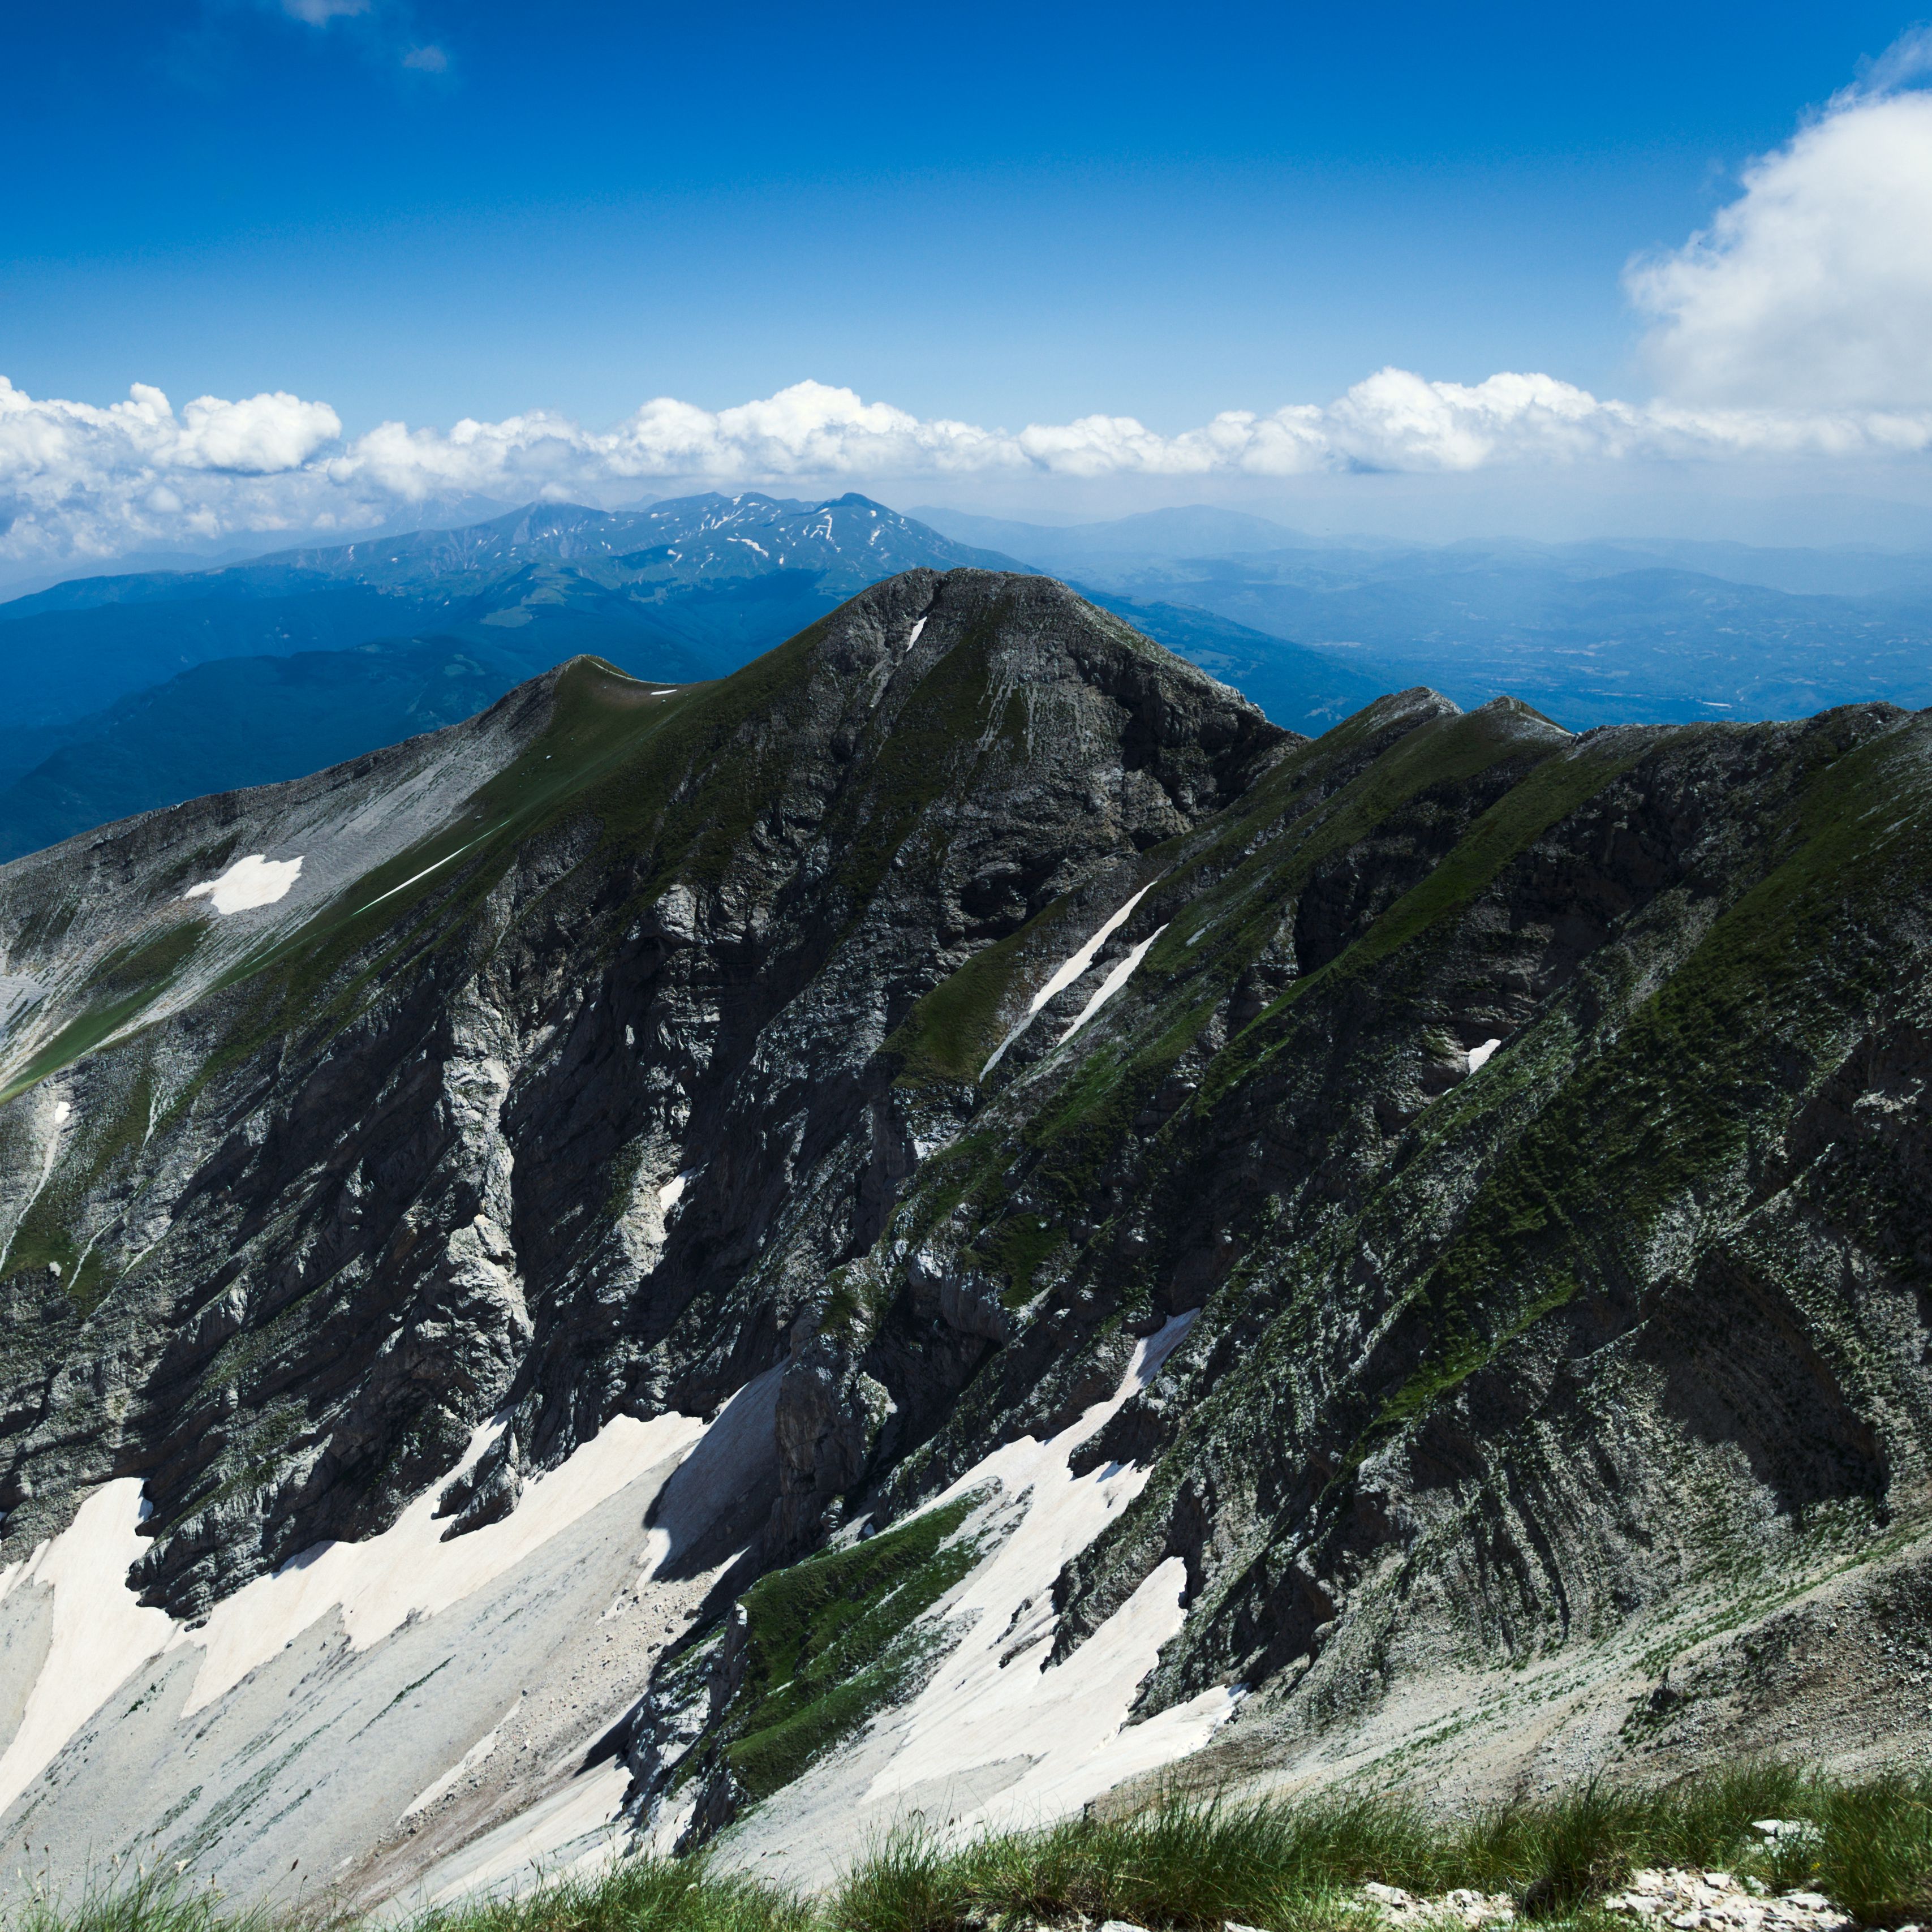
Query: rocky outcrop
582,1120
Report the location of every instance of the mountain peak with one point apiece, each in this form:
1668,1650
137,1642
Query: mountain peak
993,1115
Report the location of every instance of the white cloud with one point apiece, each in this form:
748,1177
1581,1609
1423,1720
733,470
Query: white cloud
428,59
79,482
1812,290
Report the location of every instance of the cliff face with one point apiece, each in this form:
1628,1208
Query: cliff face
406,1145
1296,1250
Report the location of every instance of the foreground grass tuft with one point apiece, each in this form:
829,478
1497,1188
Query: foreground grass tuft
1294,1866
640,1895
1188,1866
146,1902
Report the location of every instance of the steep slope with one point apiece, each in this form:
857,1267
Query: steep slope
945,1222
1537,1126
545,1093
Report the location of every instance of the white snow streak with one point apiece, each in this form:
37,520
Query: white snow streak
1112,984
671,1192
1478,1055
1069,970
436,865
100,1632
919,625
1071,1719
256,880
378,1584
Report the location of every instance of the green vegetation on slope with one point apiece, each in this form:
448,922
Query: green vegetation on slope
830,1640
1285,1867
1673,1107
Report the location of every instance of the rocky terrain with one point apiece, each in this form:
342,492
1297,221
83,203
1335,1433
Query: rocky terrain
950,1223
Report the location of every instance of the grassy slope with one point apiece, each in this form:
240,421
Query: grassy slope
1285,1868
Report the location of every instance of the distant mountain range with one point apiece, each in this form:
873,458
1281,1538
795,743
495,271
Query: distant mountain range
134,691
1593,633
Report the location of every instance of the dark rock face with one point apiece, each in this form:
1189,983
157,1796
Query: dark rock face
1539,1125
393,1211
1491,1361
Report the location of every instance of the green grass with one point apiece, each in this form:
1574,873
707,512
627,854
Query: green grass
641,1895
1191,1865
831,1639
1287,1866
1669,1111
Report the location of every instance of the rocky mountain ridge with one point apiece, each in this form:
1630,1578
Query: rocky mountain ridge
1284,1252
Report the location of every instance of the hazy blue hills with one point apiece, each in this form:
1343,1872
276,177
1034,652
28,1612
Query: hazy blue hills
682,589
139,690
1597,633
1307,691
240,721
136,691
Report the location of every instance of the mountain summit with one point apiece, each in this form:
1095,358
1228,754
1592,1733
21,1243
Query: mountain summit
954,1218
215,679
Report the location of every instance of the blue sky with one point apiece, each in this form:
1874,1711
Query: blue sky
1006,214
1000,210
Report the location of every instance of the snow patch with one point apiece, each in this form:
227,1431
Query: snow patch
672,1192
101,1631
256,880
62,1113
1069,970
994,1698
1112,984
408,1570
919,624
1479,1055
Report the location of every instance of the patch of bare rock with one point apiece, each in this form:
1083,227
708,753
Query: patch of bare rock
1718,1901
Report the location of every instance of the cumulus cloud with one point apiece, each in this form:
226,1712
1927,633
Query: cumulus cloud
80,483
1813,289
1799,324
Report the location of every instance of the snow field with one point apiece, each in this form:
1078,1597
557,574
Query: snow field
408,1570
993,1699
100,1633
256,880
